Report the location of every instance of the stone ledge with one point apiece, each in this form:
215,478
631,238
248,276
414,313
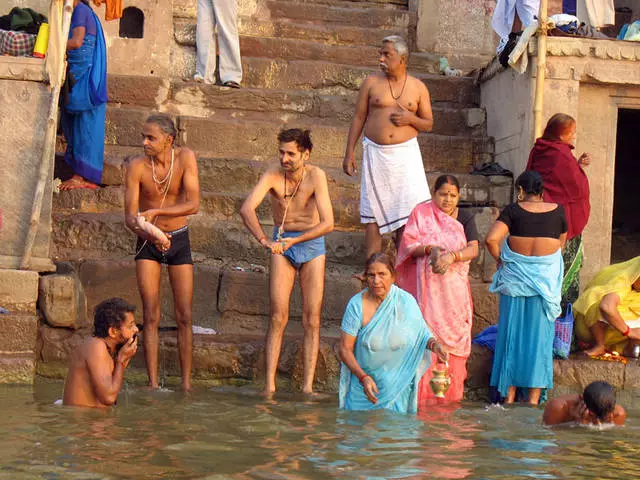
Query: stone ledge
19,290
18,368
22,68
19,333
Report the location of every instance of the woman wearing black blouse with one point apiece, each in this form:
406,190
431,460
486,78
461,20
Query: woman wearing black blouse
526,240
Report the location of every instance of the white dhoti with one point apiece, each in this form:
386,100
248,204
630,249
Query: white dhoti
505,12
597,13
393,183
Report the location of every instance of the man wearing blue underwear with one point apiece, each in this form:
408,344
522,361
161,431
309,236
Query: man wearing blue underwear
302,215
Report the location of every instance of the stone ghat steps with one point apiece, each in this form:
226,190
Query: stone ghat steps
321,75
235,301
96,235
80,236
446,93
303,107
330,34
239,359
301,47
256,139
381,15
224,183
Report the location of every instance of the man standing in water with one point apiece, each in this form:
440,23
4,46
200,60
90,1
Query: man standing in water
96,367
163,186
392,107
302,214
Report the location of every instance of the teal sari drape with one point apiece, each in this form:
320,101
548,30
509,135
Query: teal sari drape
391,348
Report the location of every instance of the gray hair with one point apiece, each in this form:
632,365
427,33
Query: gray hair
399,44
164,123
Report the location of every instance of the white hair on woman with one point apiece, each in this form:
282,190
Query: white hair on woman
399,44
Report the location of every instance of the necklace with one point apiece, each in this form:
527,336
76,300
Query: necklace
163,185
286,208
401,91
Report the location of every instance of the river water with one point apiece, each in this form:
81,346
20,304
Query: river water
234,434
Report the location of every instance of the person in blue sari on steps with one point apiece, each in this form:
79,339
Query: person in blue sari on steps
384,344
83,114
526,241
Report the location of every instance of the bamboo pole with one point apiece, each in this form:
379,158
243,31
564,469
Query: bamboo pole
48,152
541,66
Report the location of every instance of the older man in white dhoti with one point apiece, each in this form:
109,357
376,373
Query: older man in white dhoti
504,17
392,107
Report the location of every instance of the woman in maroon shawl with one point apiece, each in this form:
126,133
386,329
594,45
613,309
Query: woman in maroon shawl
565,183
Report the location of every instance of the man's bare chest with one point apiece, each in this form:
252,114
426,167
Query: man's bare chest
381,97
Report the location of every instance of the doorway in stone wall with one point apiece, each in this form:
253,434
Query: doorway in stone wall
625,240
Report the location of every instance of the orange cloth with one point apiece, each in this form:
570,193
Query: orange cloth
113,9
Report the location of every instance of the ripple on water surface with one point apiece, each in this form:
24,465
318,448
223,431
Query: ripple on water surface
234,434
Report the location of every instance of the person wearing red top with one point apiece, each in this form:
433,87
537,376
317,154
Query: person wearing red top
566,184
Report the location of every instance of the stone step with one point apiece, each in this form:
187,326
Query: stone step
304,49
224,184
152,92
198,100
239,359
401,4
17,368
372,14
185,32
324,77
19,333
238,137
77,236
233,300
349,14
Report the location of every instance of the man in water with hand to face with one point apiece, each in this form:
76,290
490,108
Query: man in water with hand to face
302,214
596,406
96,367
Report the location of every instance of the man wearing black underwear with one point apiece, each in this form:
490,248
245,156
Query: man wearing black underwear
302,214
162,187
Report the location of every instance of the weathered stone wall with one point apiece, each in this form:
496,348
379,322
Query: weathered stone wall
589,80
24,106
457,29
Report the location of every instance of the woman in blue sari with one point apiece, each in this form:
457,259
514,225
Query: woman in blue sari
83,114
384,344
526,241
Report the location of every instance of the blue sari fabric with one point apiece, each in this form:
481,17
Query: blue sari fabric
83,118
530,290
391,348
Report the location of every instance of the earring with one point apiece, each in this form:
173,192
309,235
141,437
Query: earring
521,195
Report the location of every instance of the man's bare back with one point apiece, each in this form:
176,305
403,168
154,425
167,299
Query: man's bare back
140,170
78,387
381,106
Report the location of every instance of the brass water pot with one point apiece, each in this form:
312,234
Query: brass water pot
440,381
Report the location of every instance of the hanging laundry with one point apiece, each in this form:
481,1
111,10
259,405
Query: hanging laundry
113,9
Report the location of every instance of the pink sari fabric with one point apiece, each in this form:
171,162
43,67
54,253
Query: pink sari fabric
445,300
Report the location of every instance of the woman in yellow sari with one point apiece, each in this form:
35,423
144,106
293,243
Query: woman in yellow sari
608,311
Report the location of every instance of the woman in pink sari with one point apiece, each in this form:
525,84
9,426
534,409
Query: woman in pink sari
437,245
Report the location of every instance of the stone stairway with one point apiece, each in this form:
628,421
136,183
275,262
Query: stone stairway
303,63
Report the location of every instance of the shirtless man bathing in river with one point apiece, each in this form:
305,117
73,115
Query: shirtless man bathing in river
96,367
392,107
162,187
302,214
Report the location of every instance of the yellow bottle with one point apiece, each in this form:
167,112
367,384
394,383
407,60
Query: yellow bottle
42,41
